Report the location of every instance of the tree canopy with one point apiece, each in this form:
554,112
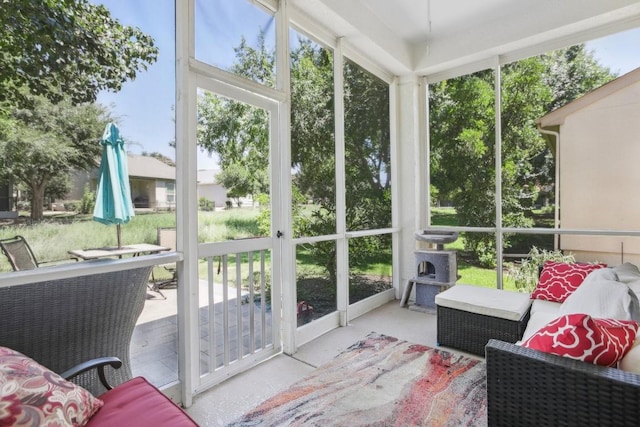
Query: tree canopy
462,135
40,144
57,55
238,134
67,49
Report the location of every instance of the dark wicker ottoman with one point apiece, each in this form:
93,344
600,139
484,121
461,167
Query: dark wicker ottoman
469,316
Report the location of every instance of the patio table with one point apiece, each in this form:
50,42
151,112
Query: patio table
113,251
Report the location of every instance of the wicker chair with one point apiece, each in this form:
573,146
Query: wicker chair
527,387
62,323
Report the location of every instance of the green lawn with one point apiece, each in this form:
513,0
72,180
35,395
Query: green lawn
52,239
470,273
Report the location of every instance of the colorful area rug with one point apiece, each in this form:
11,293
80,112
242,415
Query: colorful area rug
382,381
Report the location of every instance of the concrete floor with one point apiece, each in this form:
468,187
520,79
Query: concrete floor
232,398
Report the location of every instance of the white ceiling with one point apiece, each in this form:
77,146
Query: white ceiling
430,36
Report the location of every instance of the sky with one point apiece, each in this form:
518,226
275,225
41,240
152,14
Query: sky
144,108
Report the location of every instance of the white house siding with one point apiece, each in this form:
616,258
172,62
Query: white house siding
210,189
213,192
79,179
163,201
600,176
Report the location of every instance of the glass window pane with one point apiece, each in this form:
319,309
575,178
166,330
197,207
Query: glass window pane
234,199
538,92
315,281
236,36
367,149
312,138
370,270
462,137
528,167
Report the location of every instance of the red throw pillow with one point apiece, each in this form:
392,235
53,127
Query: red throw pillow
31,394
581,337
558,280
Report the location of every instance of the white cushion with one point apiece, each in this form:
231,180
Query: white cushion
489,302
601,296
540,305
536,322
631,361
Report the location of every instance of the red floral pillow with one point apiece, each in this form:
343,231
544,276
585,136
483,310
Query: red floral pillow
31,395
558,280
581,337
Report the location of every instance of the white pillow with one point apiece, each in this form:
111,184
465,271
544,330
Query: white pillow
634,286
601,296
627,272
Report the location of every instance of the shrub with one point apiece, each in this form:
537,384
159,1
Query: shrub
206,204
525,274
88,201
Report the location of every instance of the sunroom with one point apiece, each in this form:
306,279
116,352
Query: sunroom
334,111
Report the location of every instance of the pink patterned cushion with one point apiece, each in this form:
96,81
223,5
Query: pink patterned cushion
581,337
32,395
558,280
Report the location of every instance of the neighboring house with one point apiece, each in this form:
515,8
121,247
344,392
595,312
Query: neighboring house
210,189
7,205
598,156
152,183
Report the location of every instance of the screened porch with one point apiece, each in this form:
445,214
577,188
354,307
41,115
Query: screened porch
344,136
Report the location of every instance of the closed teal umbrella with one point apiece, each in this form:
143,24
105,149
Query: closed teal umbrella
113,200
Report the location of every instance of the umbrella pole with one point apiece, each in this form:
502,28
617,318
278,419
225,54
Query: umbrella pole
118,233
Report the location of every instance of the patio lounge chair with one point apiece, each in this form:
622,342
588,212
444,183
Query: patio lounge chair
64,322
20,254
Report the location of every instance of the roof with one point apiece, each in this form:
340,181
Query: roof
207,176
558,116
149,167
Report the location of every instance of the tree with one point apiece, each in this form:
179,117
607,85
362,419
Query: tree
67,49
237,180
462,134
237,132
39,145
571,73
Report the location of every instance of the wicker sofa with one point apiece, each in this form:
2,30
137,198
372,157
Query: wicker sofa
527,387
530,387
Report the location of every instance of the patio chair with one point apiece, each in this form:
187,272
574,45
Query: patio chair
167,239
20,254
